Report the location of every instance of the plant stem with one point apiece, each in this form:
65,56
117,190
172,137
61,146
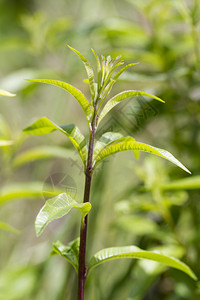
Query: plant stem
83,232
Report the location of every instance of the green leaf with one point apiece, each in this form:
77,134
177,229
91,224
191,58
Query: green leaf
78,95
43,152
56,208
26,191
98,68
135,252
105,140
7,227
108,67
113,80
182,184
123,69
109,138
45,126
120,97
5,93
69,252
89,71
125,146
106,91
4,143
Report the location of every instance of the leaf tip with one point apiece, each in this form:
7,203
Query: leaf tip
188,171
71,48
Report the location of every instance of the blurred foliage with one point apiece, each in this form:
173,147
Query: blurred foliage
149,202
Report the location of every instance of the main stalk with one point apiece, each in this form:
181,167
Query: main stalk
82,272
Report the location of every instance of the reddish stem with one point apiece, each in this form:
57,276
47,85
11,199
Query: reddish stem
83,232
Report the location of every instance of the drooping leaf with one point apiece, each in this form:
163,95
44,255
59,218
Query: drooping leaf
9,228
45,126
5,93
26,191
120,97
43,152
127,145
89,71
135,252
4,143
109,138
70,252
78,95
56,208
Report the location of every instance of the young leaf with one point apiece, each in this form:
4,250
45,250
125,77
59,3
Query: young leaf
56,208
6,227
5,93
69,252
4,143
98,68
78,95
109,82
45,126
127,145
123,69
37,153
135,252
89,71
120,97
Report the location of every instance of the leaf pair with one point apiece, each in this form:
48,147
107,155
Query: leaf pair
109,144
71,252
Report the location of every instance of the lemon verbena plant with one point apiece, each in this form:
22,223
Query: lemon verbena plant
92,153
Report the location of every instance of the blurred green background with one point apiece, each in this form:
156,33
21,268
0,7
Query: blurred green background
148,203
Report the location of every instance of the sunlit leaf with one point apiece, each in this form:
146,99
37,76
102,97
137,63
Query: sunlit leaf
104,140
125,146
106,91
5,93
123,70
9,228
43,152
45,126
108,68
120,97
98,68
78,95
56,208
135,252
70,252
89,71
109,138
